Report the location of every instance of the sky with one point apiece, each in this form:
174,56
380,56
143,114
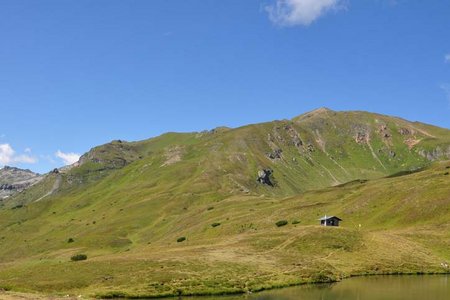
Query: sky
75,74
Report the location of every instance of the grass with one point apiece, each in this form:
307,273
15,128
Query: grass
394,237
127,209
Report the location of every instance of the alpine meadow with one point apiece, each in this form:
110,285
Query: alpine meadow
235,210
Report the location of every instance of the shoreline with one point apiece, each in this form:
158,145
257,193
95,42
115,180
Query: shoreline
224,294
16,295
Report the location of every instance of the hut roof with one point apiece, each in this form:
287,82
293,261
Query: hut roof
329,217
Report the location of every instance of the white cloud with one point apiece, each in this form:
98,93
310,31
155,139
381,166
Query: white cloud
300,12
68,158
447,58
24,159
8,156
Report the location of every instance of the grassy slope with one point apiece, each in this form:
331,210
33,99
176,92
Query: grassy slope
127,215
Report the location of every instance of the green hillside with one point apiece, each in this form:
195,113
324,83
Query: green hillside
125,205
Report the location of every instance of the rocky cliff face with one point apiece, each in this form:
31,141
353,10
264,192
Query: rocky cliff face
14,180
436,154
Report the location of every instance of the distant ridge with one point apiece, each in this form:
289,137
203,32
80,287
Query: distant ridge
14,180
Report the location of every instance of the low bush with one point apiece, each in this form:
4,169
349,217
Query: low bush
215,224
78,257
281,223
70,240
295,222
181,239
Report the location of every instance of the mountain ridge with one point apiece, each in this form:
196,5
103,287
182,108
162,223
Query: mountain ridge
320,147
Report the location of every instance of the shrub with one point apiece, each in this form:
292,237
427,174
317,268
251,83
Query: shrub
215,224
78,257
210,208
323,276
181,239
70,240
295,222
281,223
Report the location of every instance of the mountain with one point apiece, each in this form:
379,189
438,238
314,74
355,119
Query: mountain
315,150
195,213
14,180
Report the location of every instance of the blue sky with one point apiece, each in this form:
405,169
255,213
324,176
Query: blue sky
78,73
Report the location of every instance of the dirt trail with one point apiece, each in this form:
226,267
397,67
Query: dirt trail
375,156
55,187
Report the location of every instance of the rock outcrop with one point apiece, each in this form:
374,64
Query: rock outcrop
14,180
114,155
436,154
276,154
264,177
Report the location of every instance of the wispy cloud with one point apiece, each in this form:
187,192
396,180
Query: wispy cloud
301,12
26,159
68,158
447,58
8,156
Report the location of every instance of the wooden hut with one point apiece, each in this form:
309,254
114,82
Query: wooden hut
330,221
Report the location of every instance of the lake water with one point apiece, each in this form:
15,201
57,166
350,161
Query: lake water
433,287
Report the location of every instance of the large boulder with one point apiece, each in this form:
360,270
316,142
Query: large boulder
264,177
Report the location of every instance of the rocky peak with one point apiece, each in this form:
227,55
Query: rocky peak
13,180
114,155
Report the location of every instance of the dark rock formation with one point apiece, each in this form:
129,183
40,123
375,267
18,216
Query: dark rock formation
264,177
6,186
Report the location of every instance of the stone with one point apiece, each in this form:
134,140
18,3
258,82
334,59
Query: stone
276,154
264,177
